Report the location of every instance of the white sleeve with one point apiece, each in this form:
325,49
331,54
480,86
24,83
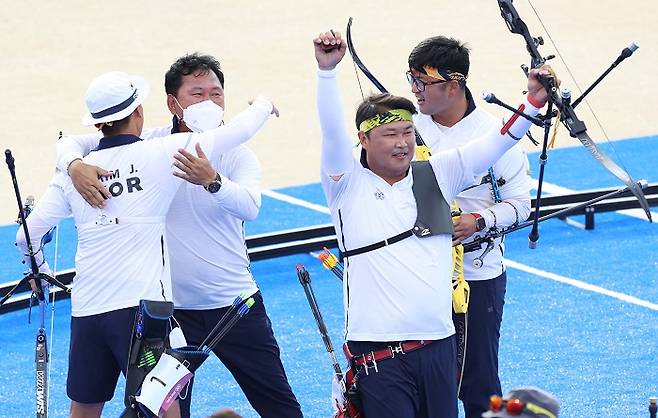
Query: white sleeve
337,155
240,192
457,169
73,147
49,210
515,193
221,139
337,158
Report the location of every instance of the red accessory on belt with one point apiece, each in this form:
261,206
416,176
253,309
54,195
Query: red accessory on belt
369,360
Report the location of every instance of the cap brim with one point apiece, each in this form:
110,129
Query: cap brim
142,88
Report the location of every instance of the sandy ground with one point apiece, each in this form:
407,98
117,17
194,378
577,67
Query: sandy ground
52,50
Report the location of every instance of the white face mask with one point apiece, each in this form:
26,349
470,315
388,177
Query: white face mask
202,116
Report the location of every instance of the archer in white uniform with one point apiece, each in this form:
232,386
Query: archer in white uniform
397,292
448,119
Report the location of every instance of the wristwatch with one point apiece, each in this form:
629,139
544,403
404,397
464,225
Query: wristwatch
215,185
480,222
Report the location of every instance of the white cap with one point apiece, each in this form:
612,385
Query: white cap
113,96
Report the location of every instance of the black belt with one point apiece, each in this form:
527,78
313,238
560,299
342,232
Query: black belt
380,244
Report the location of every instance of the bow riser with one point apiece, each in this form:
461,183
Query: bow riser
568,117
516,25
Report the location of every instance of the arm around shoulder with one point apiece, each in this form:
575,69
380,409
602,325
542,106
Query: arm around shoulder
70,148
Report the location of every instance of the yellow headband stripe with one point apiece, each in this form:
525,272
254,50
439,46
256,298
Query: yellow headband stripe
393,115
443,75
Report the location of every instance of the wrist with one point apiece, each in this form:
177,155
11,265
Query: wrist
326,72
209,179
72,164
535,102
480,222
214,185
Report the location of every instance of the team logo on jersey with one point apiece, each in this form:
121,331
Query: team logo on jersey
379,195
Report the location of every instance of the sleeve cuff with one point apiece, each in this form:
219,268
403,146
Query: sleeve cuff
67,160
225,191
327,73
534,102
489,218
262,101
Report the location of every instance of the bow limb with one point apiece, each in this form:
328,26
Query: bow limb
516,25
422,151
615,170
357,60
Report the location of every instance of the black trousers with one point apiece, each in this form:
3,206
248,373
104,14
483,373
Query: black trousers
419,384
250,352
485,314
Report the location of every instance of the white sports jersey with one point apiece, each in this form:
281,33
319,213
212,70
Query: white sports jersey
401,291
512,167
122,251
209,261
205,233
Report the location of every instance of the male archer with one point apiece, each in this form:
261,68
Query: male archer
397,285
438,70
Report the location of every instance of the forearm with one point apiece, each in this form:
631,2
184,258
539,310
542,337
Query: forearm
482,153
458,168
49,210
514,193
506,213
37,228
337,158
240,192
70,148
239,130
240,201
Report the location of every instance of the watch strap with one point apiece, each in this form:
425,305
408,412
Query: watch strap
480,222
215,185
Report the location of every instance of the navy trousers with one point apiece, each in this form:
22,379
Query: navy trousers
250,352
485,314
419,384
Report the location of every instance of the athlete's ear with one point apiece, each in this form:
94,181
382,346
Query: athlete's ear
363,139
172,105
455,88
139,112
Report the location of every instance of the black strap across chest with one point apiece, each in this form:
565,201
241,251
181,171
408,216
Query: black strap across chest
433,216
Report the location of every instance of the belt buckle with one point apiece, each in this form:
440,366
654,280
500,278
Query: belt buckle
396,350
366,366
103,219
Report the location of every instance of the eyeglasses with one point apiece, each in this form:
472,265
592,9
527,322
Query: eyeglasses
420,84
516,406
